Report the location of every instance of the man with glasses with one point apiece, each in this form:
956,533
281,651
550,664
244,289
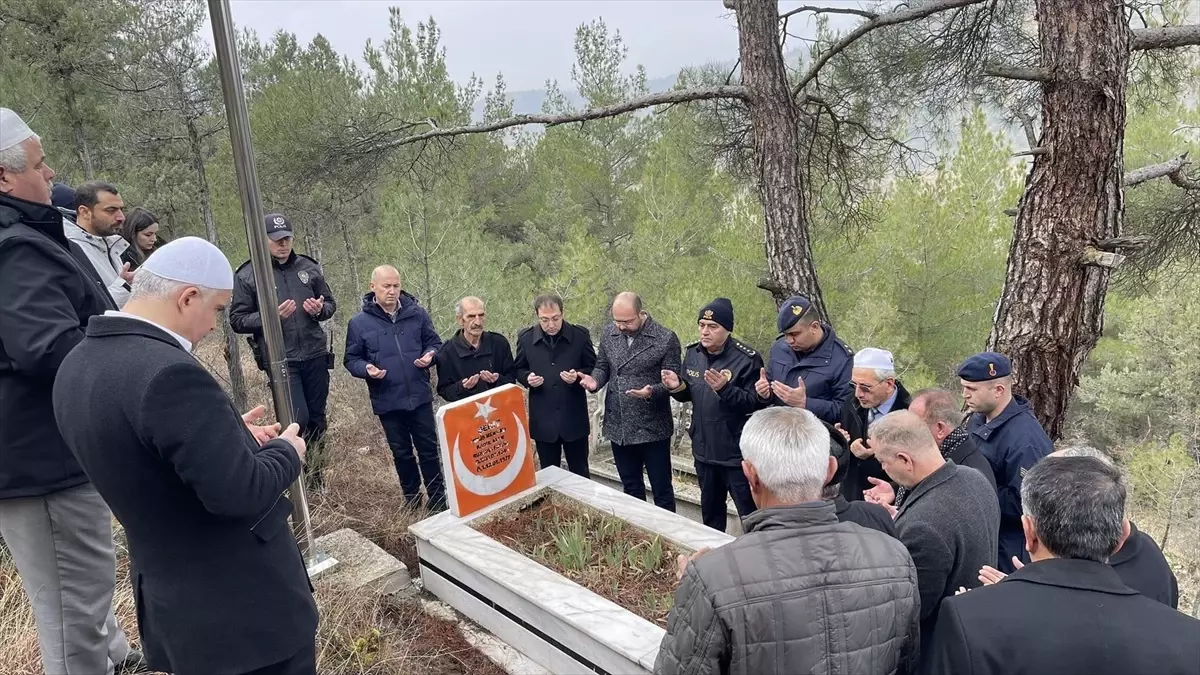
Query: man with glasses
809,367
552,355
877,392
634,352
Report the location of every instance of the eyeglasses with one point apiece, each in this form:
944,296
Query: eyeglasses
864,388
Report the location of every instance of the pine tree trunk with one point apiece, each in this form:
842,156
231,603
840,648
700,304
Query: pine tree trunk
82,151
350,257
1051,312
774,119
233,356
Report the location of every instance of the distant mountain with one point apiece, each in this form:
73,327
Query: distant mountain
530,100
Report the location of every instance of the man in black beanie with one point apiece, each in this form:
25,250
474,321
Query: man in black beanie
718,377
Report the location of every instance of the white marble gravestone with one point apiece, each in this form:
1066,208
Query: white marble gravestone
554,621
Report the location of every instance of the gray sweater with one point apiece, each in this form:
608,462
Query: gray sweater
950,523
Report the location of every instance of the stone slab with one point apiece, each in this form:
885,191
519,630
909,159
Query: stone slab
362,564
554,621
687,497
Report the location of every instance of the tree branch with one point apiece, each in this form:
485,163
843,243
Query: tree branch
1032,152
828,10
1147,173
1167,37
1016,73
892,18
663,98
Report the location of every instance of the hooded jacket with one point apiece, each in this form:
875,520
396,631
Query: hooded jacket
392,343
105,254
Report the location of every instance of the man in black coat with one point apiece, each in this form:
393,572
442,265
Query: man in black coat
474,360
948,521
1066,612
877,392
551,356
305,300
52,520
1138,560
220,585
868,514
718,378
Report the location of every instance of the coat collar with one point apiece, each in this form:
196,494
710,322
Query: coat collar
115,324
823,352
1130,548
1087,575
564,333
931,483
43,218
464,350
1016,407
795,516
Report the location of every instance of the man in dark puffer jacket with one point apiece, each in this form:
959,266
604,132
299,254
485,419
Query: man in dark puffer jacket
799,592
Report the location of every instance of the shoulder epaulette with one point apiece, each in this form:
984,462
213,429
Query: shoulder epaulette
745,348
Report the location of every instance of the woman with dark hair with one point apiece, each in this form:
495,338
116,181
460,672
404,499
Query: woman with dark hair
140,229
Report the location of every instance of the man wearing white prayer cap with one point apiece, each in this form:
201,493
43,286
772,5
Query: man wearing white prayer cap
52,520
877,392
218,579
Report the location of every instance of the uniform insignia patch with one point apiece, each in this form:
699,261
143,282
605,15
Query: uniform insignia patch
708,314
693,373
279,220
1023,472
992,369
796,309
728,375
303,277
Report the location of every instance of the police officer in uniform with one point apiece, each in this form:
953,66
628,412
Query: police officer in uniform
305,300
809,367
718,377
1009,436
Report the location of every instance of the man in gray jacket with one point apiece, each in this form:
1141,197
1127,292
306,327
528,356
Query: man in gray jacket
950,519
799,592
634,352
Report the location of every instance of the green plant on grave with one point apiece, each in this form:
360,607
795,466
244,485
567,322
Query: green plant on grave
366,647
646,556
574,547
610,528
614,554
657,604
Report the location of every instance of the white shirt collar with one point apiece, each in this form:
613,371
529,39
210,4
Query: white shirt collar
183,342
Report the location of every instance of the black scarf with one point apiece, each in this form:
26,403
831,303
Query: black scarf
949,445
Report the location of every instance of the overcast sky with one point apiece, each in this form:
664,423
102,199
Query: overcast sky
528,41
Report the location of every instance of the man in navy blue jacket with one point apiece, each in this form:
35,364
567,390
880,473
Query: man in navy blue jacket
1009,436
809,367
391,344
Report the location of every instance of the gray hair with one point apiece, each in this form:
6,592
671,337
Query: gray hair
881,374
148,285
940,406
458,306
1077,505
15,159
789,447
1082,451
902,430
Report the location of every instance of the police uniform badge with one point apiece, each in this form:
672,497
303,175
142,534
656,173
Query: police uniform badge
279,220
728,375
708,315
796,309
303,276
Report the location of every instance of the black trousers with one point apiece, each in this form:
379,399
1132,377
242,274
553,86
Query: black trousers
309,382
303,663
716,481
655,457
550,453
406,429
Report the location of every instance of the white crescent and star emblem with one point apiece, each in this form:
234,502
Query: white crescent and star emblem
484,410
490,485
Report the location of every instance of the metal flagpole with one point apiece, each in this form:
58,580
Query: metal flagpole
260,257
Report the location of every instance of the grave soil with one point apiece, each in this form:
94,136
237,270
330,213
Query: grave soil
619,562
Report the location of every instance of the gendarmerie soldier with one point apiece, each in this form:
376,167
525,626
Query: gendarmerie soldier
809,367
718,377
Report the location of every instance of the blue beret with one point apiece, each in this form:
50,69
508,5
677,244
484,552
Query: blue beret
790,312
984,367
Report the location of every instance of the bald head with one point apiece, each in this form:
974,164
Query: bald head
471,314
627,312
905,448
1082,451
385,284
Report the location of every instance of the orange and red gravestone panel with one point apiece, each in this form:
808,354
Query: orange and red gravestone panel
487,455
